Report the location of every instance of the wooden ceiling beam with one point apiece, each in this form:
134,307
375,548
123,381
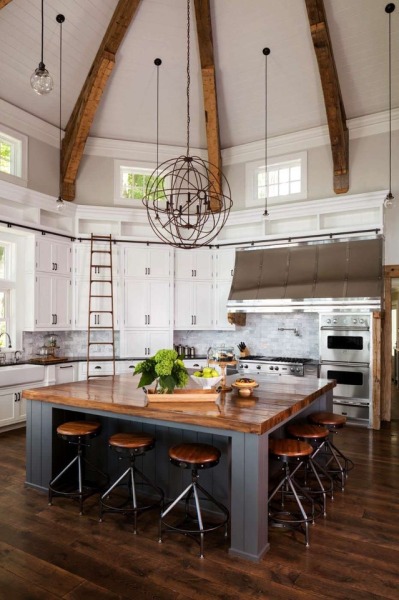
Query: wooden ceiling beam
4,3
81,119
205,42
335,109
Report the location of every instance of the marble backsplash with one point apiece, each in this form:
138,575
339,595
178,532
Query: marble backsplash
262,334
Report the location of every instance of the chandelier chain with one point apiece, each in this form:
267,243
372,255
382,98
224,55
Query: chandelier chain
60,114
188,78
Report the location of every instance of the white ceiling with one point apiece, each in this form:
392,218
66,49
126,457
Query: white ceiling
241,29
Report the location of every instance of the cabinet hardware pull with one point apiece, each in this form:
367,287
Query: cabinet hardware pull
97,367
145,319
149,319
67,367
56,319
232,272
15,397
55,266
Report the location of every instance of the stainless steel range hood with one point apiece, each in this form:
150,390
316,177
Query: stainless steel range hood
309,277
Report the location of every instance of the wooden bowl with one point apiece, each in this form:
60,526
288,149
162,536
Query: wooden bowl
245,390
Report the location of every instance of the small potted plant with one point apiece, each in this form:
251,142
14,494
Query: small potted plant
166,368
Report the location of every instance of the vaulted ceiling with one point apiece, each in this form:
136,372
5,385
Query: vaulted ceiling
241,29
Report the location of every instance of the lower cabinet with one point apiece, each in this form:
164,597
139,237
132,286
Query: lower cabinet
66,373
12,405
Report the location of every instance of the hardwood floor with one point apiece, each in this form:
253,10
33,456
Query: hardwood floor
51,552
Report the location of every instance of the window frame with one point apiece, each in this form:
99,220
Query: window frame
137,167
287,160
20,144
7,286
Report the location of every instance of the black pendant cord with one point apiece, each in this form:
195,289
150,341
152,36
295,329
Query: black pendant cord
266,52
60,19
389,10
42,40
157,63
188,77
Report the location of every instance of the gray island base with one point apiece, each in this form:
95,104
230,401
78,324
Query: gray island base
240,427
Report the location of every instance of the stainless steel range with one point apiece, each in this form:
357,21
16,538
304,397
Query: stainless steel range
272,365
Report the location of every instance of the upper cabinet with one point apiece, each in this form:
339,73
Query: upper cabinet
53,256
194,264
224,263
101,261
145,262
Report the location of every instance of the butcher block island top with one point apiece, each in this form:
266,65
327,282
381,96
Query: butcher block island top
273,402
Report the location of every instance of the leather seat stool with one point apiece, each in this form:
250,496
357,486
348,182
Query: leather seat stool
336,463
300,510
315,436
77,433
195,457
129,446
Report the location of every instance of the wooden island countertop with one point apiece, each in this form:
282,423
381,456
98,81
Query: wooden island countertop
239,426
272,403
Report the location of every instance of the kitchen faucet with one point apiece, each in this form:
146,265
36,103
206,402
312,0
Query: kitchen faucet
9,339
294,329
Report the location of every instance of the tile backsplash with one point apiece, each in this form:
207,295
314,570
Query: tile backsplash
262,334
270,334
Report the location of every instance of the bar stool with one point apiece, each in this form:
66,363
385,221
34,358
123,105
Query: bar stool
195,457
315,436
77,433
301,511
336,463
129,446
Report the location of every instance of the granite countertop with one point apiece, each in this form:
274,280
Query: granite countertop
49,360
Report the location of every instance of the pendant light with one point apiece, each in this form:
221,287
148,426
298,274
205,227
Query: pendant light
388,202
60,204
41,80
186,205
266,52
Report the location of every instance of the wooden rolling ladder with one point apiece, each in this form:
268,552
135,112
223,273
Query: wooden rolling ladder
101,295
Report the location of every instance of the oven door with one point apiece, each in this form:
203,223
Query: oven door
353,380
344,345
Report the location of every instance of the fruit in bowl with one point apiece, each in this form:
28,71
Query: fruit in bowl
207,378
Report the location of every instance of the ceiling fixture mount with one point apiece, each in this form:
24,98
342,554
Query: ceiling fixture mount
388,202
41,80
60,204
184,197
266,52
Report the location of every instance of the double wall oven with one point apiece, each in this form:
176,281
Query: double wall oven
345,351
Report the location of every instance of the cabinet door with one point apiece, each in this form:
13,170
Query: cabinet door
183,305
225,260
193,264
65,373
144,262
147,303
101,260
203,305
81,305
9,408
53,257
44,314
159,340
137,343
222,291
61,302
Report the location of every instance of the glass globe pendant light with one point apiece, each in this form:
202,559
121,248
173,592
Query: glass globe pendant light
41,80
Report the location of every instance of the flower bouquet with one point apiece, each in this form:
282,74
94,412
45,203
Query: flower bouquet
166,368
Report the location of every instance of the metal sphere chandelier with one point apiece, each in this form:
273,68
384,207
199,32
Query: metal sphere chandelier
187,199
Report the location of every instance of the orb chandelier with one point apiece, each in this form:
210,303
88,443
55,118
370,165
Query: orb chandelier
187,199
41,80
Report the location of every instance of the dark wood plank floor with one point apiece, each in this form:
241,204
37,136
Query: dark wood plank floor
51,552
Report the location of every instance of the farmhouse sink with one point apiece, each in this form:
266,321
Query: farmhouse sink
17,374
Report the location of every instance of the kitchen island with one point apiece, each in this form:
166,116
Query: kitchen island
240,427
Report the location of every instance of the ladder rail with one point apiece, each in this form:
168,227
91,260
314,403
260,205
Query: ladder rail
109,297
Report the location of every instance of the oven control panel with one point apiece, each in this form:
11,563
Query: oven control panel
336,320
295,370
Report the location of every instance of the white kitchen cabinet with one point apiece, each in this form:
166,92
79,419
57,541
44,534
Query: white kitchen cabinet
99,367
53,256
66,372
81,304
224,263
126,366
222,291
101,260
194,264
193,306
144,343
12,405
52,302
147,303
144,262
